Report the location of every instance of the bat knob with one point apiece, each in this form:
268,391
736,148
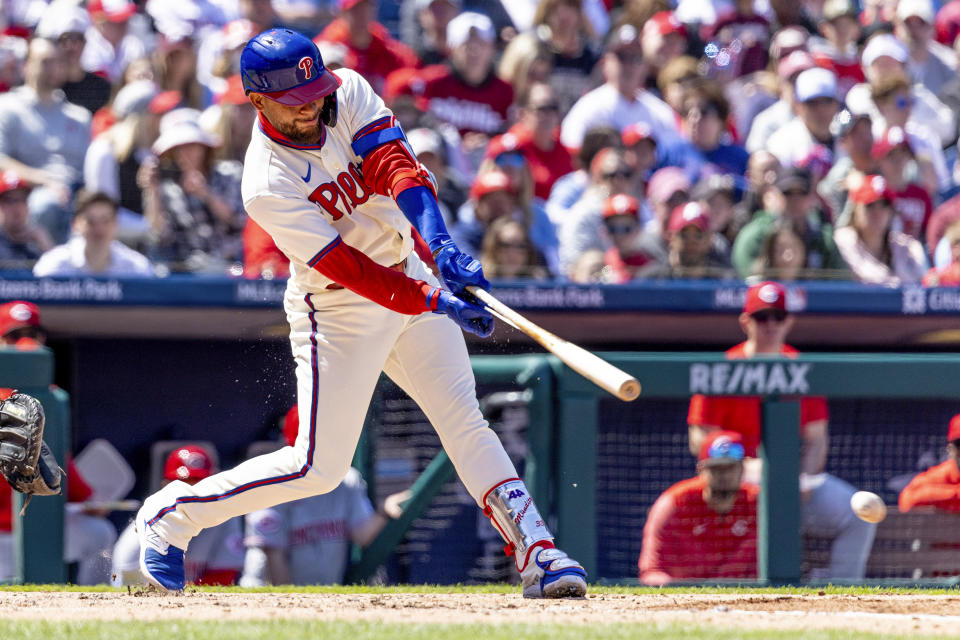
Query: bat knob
629,390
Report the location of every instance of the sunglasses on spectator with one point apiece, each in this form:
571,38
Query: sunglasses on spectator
703,108
551,107
766,315
794,193
512,160
621,229
620,173
74,36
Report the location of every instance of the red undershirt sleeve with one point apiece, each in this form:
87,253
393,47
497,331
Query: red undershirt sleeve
392,289
390,169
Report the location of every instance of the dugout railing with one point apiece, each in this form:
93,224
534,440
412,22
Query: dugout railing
676,376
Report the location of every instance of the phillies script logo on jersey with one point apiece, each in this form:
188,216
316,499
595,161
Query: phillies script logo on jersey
343,195
306,63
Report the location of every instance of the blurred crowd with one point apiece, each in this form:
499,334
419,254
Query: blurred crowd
582,140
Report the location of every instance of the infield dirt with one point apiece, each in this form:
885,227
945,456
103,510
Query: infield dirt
886,613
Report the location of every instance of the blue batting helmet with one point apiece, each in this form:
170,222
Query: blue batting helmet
286,67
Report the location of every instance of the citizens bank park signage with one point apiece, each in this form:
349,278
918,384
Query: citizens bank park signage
750,378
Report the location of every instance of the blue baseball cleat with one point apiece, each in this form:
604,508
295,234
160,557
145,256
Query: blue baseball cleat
553,574
160,563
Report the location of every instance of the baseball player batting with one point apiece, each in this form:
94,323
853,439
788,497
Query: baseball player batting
329,176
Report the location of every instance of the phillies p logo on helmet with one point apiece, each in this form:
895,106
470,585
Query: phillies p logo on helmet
306,63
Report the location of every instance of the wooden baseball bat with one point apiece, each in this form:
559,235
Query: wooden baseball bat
596,370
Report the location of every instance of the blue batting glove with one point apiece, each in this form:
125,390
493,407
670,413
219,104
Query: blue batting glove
459,270
470,317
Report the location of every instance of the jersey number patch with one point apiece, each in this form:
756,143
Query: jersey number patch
349,189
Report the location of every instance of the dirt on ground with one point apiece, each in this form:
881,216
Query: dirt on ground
893,613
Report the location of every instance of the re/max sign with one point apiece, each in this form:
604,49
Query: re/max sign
750,378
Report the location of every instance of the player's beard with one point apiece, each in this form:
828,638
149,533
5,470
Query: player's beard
301,135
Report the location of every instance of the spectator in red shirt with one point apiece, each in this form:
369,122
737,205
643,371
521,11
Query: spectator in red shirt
704,528
910,201
371,51
825,498
537,137
621,220
467,94
937,488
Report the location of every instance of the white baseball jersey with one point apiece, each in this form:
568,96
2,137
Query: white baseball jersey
314,533
312,199
284,188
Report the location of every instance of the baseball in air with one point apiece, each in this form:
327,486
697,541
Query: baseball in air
868,506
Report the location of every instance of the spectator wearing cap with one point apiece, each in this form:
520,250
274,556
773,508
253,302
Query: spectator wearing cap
192,202
21,241
562,30
581,226
930,63
66,24
115,156
766,123
766,321
854,135
371,51
691,250
816,103
492,195
744,25
795,200
667,189
621,222
949,274
43,138
892,97
621,100
663,39
536,135
886,57
874,251
911,203
705,527
110,46
937,488
837,48
640,146
216,555
93,249
467,95
507,252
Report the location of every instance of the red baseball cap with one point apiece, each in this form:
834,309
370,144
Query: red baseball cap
720,447
621,205
18,314
766,295
953,432
893,138
490,182
112,10
795,63
664,23
691,213
164,102
634,133
871,189
188,462
501,144
11,180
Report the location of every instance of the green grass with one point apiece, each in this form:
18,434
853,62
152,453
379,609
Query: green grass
183,630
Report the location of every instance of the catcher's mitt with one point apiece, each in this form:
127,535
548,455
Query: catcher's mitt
25,460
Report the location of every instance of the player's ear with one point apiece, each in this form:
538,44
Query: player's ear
256,99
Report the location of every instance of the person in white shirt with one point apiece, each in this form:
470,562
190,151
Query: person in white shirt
816,99
622,100
94,249
110,47
931,63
